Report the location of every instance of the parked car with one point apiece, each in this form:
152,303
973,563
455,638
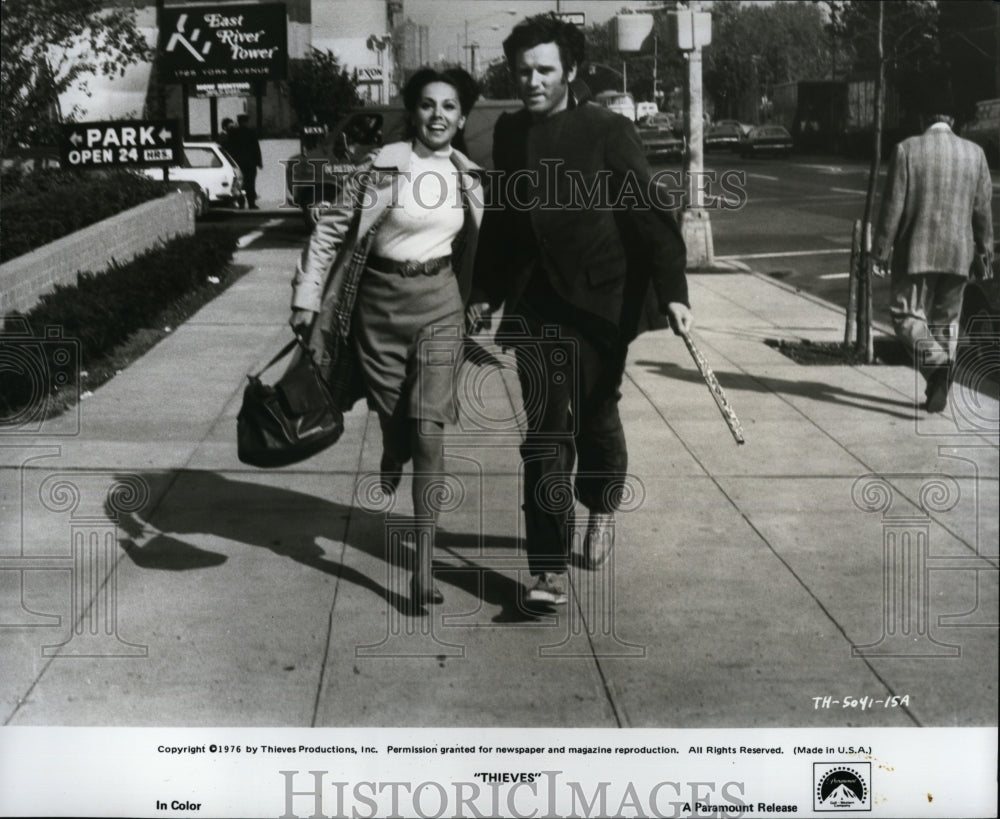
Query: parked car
661,138
201,201
766,139
314,175
722,135
621,102
645,109
212,168
742,126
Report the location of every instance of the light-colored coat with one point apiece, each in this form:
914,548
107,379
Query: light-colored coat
332,263
341,228
935,211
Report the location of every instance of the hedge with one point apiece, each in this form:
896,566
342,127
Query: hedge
102,310
39,207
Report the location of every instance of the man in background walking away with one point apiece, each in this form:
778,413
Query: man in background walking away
573,274
245,149
935,223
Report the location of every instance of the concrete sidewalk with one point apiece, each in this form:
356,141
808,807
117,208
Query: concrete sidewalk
743,576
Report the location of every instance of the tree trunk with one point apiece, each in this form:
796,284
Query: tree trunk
851,325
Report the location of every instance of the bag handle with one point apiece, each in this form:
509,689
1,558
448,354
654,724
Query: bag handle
285,351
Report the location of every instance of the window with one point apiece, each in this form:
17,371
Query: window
201,158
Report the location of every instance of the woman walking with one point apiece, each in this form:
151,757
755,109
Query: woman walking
388,268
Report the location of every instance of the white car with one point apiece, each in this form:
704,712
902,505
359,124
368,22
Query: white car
212,169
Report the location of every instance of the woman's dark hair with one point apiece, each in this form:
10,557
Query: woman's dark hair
546,28
457,78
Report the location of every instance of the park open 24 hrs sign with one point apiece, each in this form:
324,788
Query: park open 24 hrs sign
224,43
121,144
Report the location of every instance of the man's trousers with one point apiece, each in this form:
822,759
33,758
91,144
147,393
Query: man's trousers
570,388
925,312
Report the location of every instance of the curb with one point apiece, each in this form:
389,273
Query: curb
883,328
720,266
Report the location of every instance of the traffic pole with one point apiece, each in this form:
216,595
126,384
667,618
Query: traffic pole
695,225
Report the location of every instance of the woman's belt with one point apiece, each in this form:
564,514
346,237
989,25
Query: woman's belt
408,268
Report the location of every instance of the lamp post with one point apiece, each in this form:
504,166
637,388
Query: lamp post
470,48
693,30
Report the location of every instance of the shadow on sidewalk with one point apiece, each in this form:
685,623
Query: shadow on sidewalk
197,504
818,390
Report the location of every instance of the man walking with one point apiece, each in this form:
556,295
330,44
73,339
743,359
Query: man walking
935,224
245,148
571,252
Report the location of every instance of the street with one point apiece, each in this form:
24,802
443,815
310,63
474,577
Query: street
797,221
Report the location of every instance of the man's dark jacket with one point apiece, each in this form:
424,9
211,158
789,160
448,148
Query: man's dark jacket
584,209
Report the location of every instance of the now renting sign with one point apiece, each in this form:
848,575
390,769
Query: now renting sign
224,43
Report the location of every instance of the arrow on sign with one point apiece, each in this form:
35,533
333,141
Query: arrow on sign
165,135
76,139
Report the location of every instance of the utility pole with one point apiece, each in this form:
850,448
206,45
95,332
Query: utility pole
656,98
695,225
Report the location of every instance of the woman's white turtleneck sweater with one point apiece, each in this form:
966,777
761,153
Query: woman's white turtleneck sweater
427,213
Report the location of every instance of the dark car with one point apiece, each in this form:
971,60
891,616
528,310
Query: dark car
722,135
660,137
741,125
766,139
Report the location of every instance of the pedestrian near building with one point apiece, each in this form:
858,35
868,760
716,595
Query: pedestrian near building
934,231
573,276
385,278
226,129
245,149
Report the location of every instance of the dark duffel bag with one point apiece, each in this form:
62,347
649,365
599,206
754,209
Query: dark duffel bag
291,420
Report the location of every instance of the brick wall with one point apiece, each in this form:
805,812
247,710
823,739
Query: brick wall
121,238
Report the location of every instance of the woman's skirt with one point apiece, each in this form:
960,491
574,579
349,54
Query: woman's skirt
409,332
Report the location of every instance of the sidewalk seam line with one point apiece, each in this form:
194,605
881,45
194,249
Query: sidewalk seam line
336,586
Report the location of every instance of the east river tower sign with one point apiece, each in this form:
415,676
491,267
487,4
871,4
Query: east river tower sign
226,43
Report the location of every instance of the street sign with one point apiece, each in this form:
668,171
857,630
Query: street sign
204,90
121,144
577,18
690,29
224,43
631,33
